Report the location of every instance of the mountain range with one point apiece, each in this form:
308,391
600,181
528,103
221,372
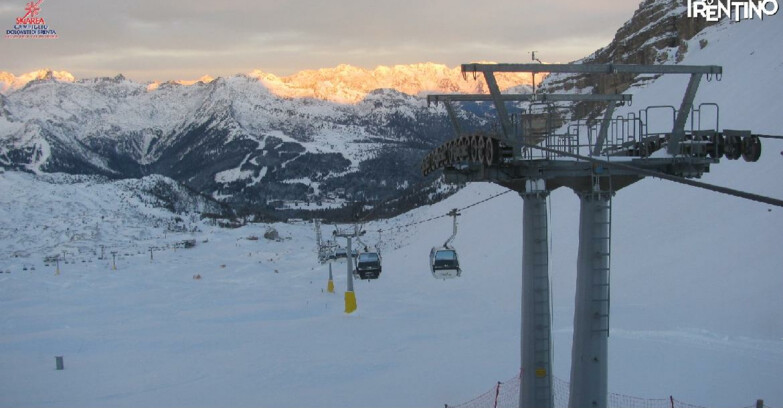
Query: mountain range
258,142
241,140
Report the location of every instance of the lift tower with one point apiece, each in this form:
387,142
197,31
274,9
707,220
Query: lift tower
350,296
541,148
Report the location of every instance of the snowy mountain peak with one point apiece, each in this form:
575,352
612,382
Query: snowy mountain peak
342,83
11,82
186,82
349,84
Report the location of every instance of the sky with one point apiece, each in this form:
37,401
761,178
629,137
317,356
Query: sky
150,40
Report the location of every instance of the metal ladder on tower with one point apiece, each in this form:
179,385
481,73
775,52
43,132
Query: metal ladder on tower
602,244
542,307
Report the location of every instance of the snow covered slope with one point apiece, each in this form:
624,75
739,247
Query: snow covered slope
259,329
71,216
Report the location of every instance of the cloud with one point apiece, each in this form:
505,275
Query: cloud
8,9
149,37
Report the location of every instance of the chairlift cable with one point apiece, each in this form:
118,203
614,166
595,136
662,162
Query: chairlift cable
446,215
485,200
390,199
397,197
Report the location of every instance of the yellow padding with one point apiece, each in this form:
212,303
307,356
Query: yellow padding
350,302
330,286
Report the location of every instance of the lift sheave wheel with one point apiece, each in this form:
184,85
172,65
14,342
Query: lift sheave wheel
751,149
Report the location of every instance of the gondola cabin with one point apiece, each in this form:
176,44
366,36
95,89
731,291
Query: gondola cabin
444,263
368,265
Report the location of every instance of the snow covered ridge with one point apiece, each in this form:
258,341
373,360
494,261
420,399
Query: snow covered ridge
10,82
77,213
348,84
228,138
341,84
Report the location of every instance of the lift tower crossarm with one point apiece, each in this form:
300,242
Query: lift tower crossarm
594,68
678,129
541,97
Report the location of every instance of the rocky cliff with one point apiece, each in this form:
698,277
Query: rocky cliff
658,33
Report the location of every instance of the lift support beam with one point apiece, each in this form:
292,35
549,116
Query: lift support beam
541,97
594,68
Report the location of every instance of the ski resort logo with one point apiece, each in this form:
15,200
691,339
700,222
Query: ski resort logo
31,25
715,10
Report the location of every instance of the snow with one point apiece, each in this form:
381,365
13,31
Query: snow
696,306
74,214
230,175
262,331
